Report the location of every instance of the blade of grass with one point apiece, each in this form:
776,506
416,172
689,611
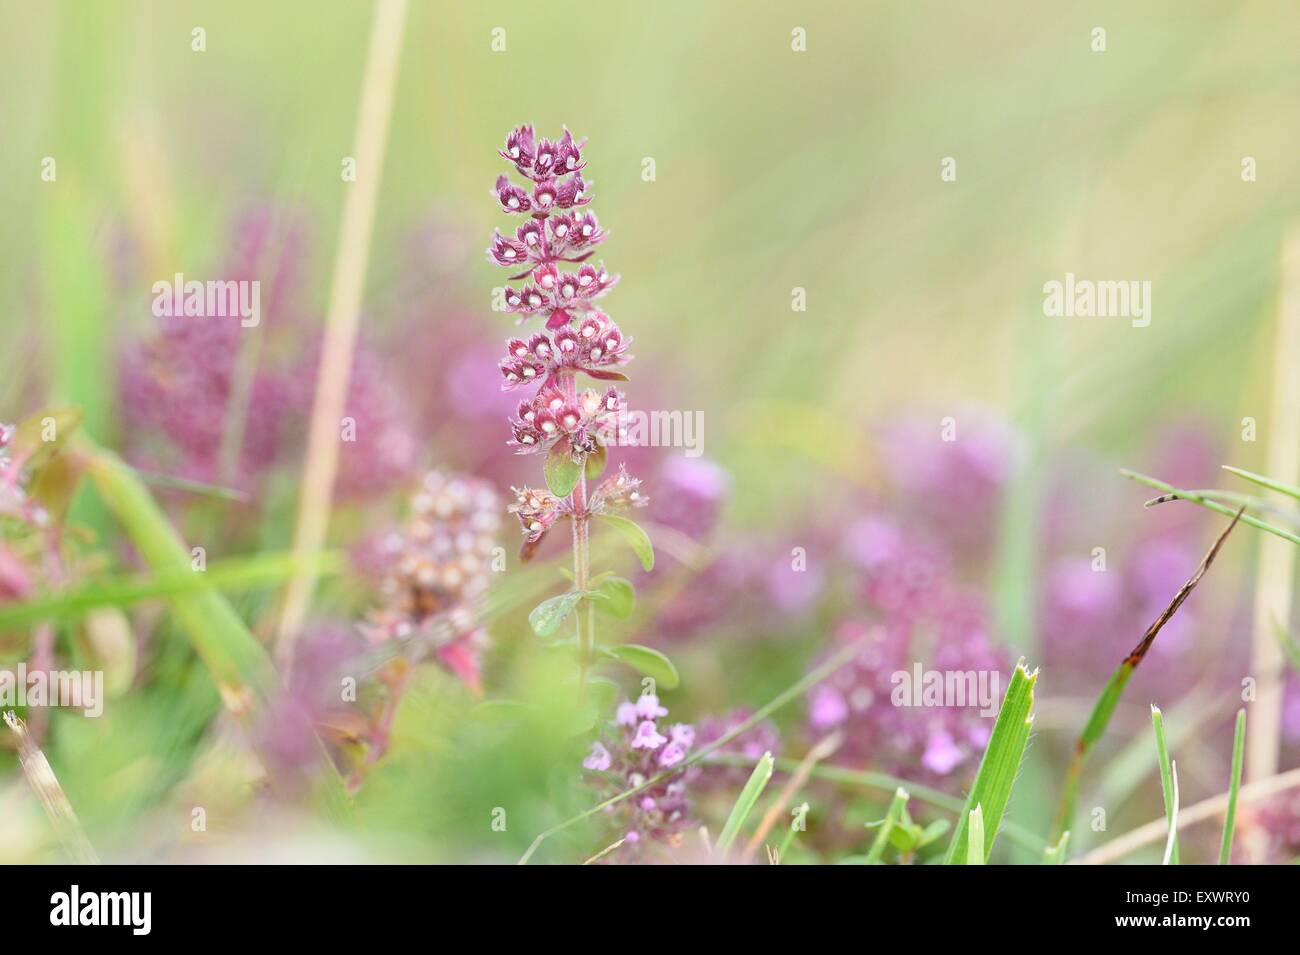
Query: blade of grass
320,465
1171,842
998,768
822,750
1114,689
895,812
744,804
1290,490
53,800
241,669
867,779
123,590
975,837
1205,502
1166,772
1234,788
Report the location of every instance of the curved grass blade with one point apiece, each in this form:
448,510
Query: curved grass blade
1234,788
1205,502
744,804
1171,843
1166,772
998,768
238,664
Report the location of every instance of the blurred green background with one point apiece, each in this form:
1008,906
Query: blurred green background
775,169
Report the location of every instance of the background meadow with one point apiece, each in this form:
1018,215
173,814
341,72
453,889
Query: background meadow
827,503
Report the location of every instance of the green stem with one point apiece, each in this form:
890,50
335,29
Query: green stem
581,559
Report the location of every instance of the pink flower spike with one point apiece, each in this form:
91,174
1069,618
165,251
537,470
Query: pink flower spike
626,713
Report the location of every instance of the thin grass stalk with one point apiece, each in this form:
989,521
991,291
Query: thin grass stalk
1234,789
897,806
1171,841
1276,571
1166,773
52,798
321,463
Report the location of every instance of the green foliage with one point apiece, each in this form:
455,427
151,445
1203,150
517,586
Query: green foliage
975,837
547,616
998,768
648,661
614,596
562,471
744,804
1234,788
636,538
1166,773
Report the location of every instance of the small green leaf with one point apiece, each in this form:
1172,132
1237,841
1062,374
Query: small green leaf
550,613
636,538
649,661
615,596
935,830
745,804
595,463
562,472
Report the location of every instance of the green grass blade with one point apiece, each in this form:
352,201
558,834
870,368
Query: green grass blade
897,805
975,837
1234,787
998,768
1208,504
238,664
1166,773
1290,490
744,804
1171,843
122,590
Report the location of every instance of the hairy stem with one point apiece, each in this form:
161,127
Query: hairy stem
581,560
